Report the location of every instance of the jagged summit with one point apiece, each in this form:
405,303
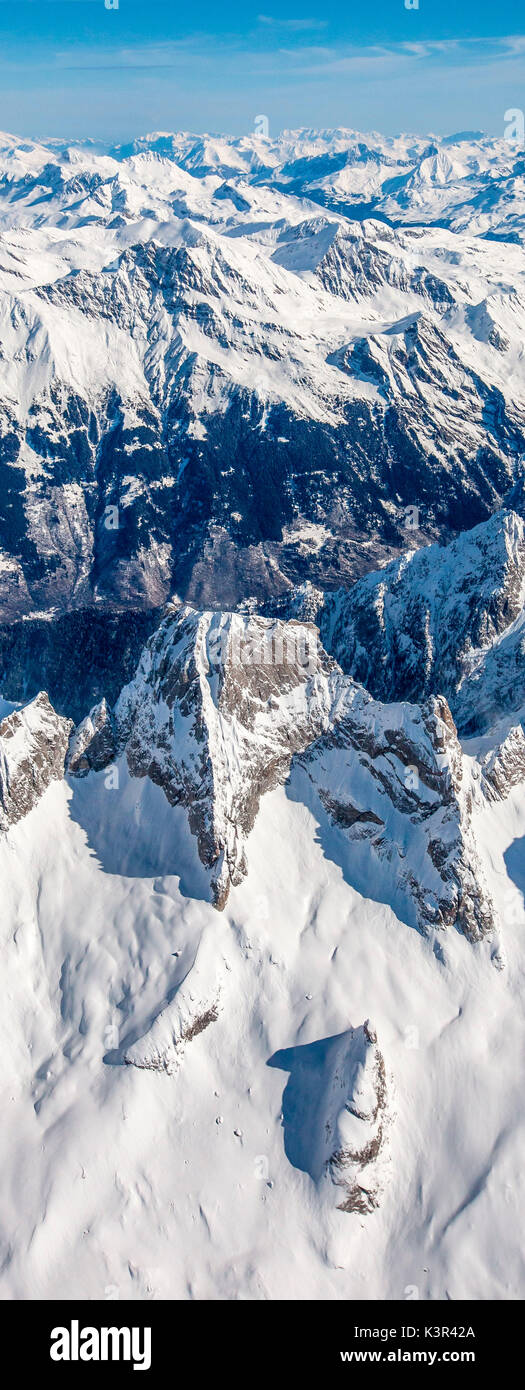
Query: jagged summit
223,705
33,746
228,369
441,619
217,708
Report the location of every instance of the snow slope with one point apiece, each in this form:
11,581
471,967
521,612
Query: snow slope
123,1182
311,1093
263,908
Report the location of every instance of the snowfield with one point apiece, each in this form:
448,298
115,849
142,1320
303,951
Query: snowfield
121,1182
262,754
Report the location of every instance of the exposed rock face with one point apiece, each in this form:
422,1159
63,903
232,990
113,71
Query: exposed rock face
33,745
495,684
220,705
92,745
336,1116
504,767
392,781
440,620
78,657
356,1122
195,1004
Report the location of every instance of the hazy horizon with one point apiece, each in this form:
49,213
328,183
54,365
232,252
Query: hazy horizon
77,68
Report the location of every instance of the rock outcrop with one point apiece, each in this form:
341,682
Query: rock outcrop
93,743
504,766
393,782
33,746
441,620
220,706
195,1004
357,1122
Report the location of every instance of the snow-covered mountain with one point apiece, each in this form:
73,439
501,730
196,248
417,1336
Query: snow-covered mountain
262,758
215,386
446,619
219,706
467,181
242,770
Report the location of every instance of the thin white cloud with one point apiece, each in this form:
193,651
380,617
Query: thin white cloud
292,25
236,58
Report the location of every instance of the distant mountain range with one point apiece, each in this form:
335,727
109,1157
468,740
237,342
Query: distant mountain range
213,385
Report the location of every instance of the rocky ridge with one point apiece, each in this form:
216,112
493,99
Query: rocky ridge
220,706
216,387
224,707
441,620
33,747
358,1164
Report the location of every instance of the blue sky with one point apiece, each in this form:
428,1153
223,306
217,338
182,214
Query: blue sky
75,67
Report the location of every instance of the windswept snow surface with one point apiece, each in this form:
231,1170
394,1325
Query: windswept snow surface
203,1183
